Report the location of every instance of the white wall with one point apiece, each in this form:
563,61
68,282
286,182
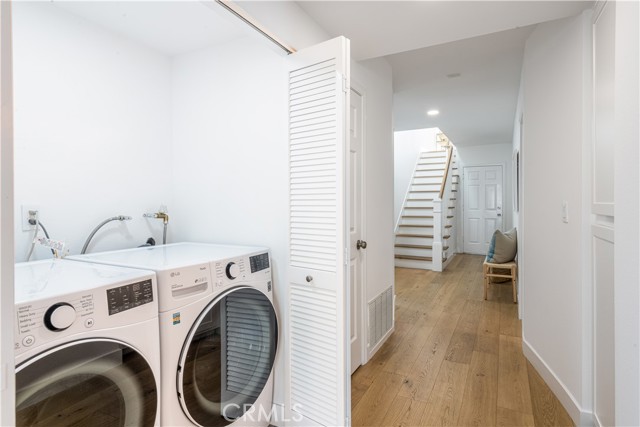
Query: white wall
92,130
554,131
407,145
230,154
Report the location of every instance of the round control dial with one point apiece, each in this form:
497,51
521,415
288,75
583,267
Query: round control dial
59,316
232,270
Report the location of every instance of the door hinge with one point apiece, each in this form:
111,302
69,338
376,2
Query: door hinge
345,87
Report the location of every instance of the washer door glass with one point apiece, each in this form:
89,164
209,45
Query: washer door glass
227,358
88,382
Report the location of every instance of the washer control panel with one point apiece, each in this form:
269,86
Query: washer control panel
247,268
42,321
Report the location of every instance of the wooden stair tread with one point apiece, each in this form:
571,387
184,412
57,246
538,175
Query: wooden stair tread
420,200
418,207
416,225
424,191
415,258
422,236
403,245
417,216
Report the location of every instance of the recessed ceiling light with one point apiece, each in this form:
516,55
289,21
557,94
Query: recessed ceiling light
433,112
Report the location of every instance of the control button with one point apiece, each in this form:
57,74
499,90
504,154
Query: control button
232,270
28,341
59,316
89,323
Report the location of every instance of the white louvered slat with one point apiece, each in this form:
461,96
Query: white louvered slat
313,343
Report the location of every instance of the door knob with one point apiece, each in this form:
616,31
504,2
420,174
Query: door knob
361,244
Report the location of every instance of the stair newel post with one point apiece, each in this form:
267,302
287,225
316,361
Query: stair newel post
436,251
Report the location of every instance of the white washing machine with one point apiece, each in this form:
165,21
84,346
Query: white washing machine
86,345
218,330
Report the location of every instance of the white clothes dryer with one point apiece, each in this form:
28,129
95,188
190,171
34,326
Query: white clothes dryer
218,330
86,345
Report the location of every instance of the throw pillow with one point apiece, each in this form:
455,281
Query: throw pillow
503,247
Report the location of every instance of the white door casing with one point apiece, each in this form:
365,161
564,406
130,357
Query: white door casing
482,207
7,370
318,299
356,259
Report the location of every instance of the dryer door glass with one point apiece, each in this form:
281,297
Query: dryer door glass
227,359
88,382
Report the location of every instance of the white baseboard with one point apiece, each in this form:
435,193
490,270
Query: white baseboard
575,411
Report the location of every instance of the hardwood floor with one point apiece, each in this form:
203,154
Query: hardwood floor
454,359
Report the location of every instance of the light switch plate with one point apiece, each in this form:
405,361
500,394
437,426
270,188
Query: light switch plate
565,211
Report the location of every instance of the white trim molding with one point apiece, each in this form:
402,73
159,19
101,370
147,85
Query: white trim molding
579,416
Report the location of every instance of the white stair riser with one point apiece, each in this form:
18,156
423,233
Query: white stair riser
431,162
429,174
421,211
418,221
435,180
421,203
415,230
425,187
415,240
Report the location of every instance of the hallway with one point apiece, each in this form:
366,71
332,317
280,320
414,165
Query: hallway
454,358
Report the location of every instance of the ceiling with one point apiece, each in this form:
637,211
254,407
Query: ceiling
169,27
424,41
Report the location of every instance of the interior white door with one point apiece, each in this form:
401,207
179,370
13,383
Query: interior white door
316,331
482,207
357,244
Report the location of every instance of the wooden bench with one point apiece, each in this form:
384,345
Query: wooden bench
488,273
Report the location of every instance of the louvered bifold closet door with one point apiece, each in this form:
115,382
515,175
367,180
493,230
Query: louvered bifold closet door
318,378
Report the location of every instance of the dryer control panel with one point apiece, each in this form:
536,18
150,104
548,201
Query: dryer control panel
248,268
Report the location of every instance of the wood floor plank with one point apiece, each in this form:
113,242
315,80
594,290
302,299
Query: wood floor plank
464,337
420,379
403,412
513,379
489,328
509,418
547,409
479,403
509,322
409,349
375,403
443,406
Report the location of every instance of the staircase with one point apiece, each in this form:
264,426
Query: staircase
425,231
